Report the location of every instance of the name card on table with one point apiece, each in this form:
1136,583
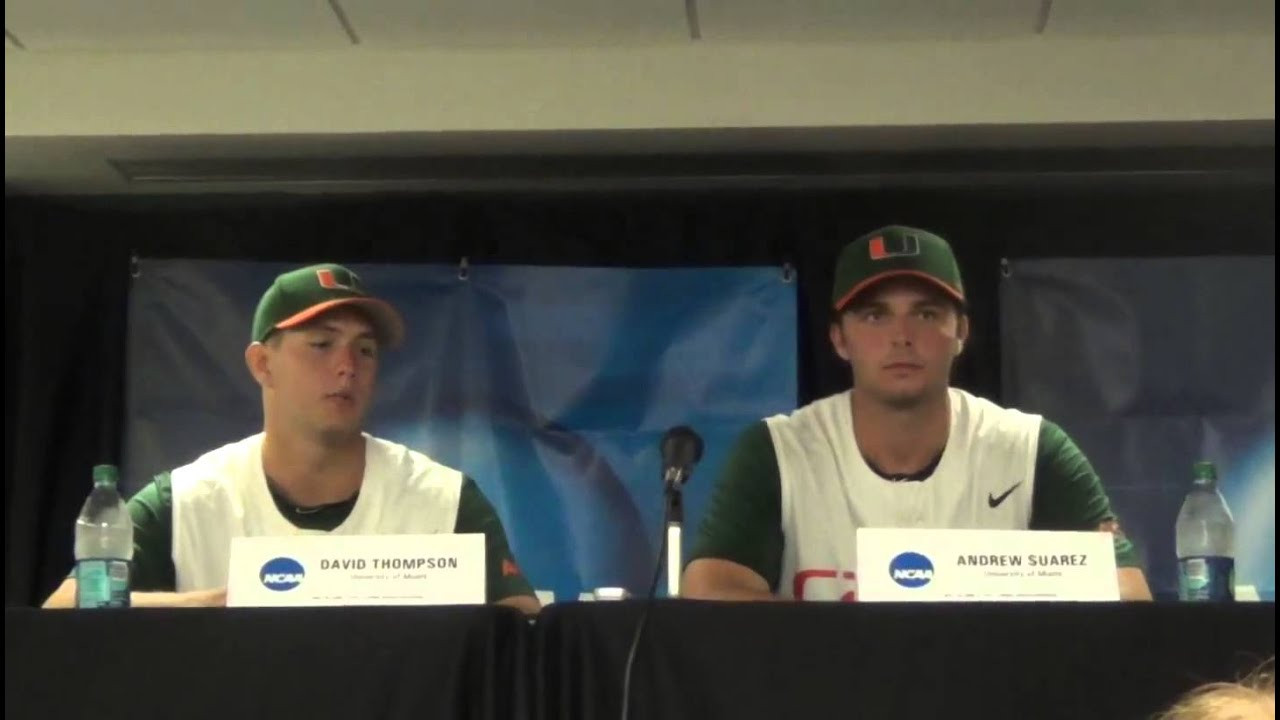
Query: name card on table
316,570
897,565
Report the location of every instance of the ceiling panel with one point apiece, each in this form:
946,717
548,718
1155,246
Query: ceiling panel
416,23
866,19
1131,17
173,24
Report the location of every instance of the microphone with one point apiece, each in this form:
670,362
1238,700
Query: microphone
681,450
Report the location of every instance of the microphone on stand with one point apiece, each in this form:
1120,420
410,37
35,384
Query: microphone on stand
681,450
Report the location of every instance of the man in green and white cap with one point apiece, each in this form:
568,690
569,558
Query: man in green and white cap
901,449
315,347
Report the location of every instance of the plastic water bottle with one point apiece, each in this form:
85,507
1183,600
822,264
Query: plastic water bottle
1206,541
104,544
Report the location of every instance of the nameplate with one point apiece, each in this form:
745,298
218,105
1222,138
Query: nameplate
317,570
897,565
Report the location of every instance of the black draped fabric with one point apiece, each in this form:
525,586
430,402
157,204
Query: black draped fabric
696,660
342,663
765,660
67,264
65,294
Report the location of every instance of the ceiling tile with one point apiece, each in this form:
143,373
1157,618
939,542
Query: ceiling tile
825,20
516,22
173,24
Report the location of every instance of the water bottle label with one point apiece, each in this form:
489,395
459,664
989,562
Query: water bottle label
102,584
1206,578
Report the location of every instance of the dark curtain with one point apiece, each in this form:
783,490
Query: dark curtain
67,265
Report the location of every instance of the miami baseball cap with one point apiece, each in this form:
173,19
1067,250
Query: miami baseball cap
301,295
895,251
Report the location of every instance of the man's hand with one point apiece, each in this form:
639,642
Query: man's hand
193,599
715,579
1133,584
65,597
526,604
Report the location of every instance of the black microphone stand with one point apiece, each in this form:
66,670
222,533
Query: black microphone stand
681,450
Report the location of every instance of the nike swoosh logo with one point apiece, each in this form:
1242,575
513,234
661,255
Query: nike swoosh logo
994,501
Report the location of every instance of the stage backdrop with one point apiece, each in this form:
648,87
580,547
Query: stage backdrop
1152,365
550,386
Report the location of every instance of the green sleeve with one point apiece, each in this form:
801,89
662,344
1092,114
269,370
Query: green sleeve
503,577
743,522
1069,495
152,511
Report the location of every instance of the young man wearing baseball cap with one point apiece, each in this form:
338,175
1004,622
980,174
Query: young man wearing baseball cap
901,449
315,348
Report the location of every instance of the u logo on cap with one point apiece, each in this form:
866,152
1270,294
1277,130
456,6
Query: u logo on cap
894,246
329,282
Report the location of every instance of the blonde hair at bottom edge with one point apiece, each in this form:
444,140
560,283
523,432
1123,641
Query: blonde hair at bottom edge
1253,698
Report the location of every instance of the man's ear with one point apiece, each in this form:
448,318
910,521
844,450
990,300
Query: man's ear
837,340
962,334
257,357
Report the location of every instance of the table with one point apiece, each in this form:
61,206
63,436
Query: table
706,661
348,663
697,660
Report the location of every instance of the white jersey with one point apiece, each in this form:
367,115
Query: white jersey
984,479
224,495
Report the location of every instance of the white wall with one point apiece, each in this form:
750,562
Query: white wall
1025,80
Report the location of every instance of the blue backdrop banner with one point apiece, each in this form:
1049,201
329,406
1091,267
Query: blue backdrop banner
1152,365
549,386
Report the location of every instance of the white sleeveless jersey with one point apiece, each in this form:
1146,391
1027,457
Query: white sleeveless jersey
224,494
984,480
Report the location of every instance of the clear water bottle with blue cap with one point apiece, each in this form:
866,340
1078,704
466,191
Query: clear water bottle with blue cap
104,544
1205,541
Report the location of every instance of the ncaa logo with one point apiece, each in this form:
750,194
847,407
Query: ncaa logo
281,574
911,570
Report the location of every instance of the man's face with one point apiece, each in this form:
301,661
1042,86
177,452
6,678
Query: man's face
901,337
321,375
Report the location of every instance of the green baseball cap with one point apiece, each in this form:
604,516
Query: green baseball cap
301,295
895,251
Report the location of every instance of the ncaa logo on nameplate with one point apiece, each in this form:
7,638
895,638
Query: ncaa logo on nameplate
911,570
282,574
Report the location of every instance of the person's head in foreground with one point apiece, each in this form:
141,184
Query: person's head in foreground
1253,698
